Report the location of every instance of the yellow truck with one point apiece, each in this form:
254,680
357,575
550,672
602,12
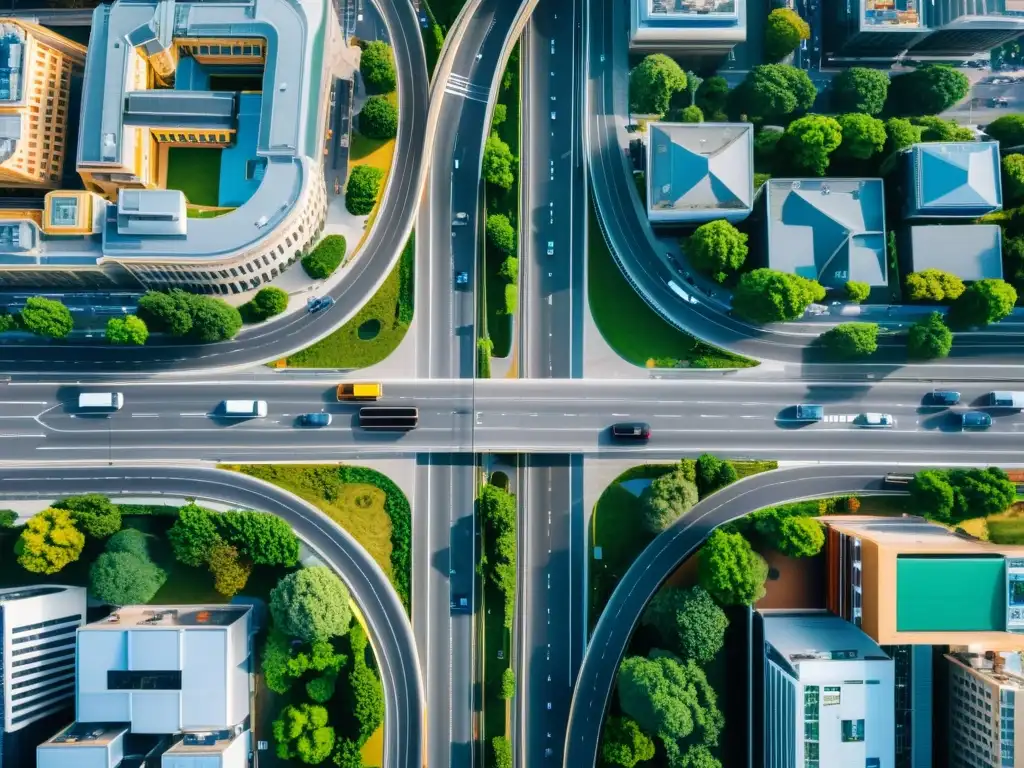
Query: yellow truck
360,391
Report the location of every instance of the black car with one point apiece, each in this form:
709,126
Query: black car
940,397
974,420
315,419
631,431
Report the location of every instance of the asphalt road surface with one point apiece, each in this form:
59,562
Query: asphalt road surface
390,634
657,562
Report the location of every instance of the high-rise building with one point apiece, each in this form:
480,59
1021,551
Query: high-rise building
986,711
687,27
827,691
35,85
37,661
913,689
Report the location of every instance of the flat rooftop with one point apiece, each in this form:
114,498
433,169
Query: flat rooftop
89,734
172,616
669,8
950,594
818,635
969,251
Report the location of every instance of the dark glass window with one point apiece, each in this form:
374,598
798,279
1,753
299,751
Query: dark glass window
136,680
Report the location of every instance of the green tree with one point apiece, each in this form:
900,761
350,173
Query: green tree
929,338
508,684
653,83
717,248
169,312
94,514
772,92
810,140
500,233
302,732
847,341
501,752
268,302
48,542
511,300
698,756
980,492
937,129
688,621
933,285
1013,261
857,292
690,114
510,269
46,317
324,259
348,754
367,699
214,320
1008,130
378,119
767,154
783,33
766,296
1013,179
860,89
670,698
667,499
261,537
321,689
863,136
732,572
498,163
193,535
926,90
499,116
796,536
900,133
230,573
361,191
130,540
931,493
377,66
624,744
712,97
497,509
311,604
985,301
712,473
121,578
127,330
274,662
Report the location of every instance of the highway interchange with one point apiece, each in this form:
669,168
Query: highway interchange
573,61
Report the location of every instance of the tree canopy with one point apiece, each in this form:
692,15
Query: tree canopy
229,570
712,97
302,732
269,300
498,514
847,341
793,535
378,119
187,315
857,291
985,301
364,182
717,249
730,570
323,260
1008,130
712,473
929,338
311,604
377,66
926,90
1013,179
46,317
653,83
49,542
624,744
900,133
124,578
667,499
863,136
860,89
783,33
938,129
500,233
953,495
766,295
127,330
810,140
94,514
689,114
933,285
688,621
498,163
773,91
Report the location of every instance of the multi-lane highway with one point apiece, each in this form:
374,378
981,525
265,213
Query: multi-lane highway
390,634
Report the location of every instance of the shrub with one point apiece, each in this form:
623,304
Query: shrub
1008,130
8,517
929,338
185,315
1013,179
501,752
986,301
765,295
268,302
130,540
378,118
122,578
302,732
94,514
690,114
730,570
508,684
783,33
511,299
933,285
321,689
193,535
361,191
689,621
230,573
325,257
311,604
377,66
717,248
510,269
500,233
484,350
46,317
860,89
498,163
847,341
667,499
127,330
857,292
712,473
49,542
367,699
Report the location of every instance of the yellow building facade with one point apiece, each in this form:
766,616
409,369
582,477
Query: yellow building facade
35,83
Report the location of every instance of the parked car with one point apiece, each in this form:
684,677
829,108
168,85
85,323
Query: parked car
943,397
315,420
974,420
876,420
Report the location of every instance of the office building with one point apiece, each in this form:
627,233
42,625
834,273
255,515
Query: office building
889,29
829,230
828,694
986,710
914,688
697,172
952,180
201,148
687,27
37,662
35,85
906,581
163,680
969,251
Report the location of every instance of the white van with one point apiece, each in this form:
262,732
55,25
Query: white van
100,401
244,409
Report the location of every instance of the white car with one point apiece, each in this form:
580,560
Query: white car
552,115
551,247
877,420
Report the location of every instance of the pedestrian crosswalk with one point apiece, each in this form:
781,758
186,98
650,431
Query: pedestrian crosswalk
458,85
841,418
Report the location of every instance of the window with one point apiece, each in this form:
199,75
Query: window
853,730
63,620
133,680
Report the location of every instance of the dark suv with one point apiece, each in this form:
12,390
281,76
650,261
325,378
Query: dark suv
631,431
939,397
975,420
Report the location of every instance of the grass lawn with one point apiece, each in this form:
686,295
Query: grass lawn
375,152
375,331
206,213
634,330
196,172
1008,527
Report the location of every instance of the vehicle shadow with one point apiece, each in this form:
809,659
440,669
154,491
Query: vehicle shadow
786,419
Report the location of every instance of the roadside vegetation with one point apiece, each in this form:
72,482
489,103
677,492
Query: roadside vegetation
372,145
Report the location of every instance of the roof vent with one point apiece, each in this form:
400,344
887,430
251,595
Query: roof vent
825,190
795,184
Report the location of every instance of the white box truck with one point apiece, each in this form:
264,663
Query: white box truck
1006,399
244,409
100,401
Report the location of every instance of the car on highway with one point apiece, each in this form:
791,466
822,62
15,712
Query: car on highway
100,401
462,277
805,412
460,604
461,219
999,101
974,420
632,430
552,115
943,397
318,304
551,247
359,390
682,294
315,420
876,420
